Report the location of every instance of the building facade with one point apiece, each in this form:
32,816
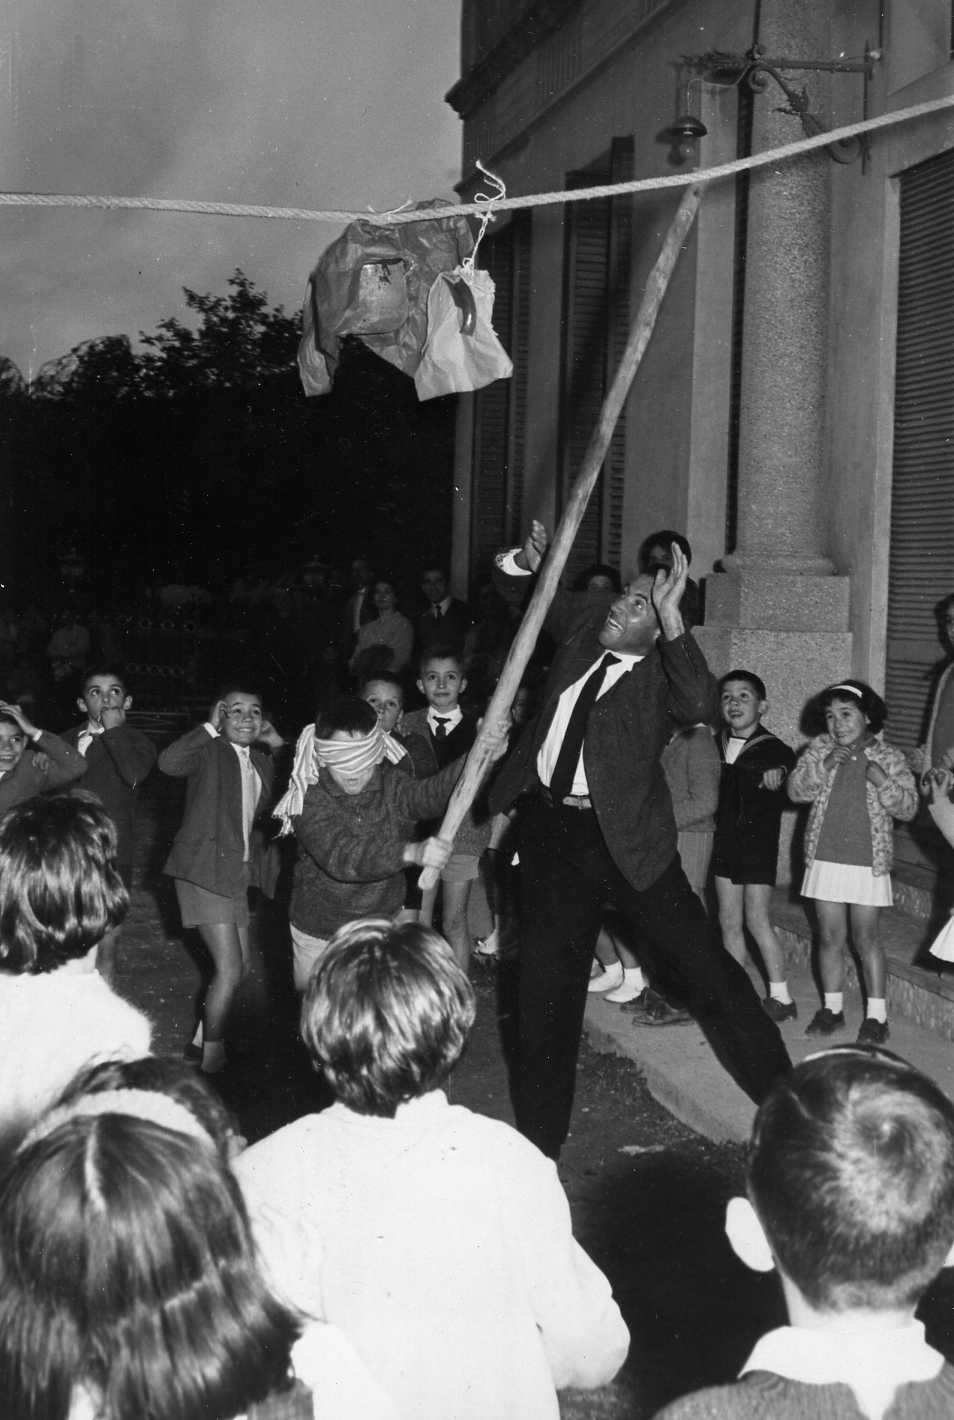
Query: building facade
794,412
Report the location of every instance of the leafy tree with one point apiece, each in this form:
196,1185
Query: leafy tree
197,455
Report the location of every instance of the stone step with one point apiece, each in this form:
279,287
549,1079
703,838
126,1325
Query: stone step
920,988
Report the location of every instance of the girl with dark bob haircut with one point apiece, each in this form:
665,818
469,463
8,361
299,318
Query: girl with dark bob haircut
130,1283
869,702
128,1273
386,1014
60,888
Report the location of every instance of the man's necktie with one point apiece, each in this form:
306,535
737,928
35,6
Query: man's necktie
436,613
440,727
564,771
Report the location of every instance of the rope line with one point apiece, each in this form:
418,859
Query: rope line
478,209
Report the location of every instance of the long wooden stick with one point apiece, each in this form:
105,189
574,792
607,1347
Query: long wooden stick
521,650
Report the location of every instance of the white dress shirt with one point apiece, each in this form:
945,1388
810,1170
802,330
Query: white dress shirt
550,749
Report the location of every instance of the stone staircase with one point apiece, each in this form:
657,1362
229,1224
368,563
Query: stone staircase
920,988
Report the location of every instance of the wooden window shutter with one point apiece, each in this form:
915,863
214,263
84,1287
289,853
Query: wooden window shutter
500,410
922,498
596,323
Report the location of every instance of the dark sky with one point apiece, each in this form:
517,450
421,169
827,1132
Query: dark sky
305,103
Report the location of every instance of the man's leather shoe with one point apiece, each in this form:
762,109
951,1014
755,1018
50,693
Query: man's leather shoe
651,1009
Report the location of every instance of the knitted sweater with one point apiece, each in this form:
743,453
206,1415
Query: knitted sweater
761,1394
351,846
810,782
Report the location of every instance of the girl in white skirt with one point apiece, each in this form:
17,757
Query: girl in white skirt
857,785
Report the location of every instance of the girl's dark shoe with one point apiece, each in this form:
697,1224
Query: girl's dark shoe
825,1022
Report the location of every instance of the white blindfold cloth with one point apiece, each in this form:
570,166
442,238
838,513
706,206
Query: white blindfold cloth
351,756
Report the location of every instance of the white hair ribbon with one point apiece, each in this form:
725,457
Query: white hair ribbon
137,1104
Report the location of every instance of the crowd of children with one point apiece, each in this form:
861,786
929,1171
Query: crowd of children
396,1254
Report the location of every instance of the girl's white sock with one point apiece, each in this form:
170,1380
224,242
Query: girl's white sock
877,1009
835,1001
778,991
197,1038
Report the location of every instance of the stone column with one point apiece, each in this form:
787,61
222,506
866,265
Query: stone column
785,333
778,609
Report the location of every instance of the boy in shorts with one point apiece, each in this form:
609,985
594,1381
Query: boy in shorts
755,765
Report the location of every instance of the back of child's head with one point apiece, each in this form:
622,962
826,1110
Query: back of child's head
748,678
346,714
851,1173
386,1014
60,889
860,693
128,1272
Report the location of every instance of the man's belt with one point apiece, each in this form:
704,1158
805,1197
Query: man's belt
570,801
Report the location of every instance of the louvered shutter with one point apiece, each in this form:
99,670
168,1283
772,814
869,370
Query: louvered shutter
585,305
922,499
596,324
500,410
620,264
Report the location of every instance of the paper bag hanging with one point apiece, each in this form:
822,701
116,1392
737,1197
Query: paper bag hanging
462,351
373,282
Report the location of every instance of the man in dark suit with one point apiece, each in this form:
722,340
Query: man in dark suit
446,621
597,830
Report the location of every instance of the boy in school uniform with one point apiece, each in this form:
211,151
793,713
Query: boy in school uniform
446,732
755,765
850,1198
118,756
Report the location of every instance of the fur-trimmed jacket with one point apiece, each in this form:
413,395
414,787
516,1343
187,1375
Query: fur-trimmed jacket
810,782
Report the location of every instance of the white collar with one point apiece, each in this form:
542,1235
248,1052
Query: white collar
451,718
872,1363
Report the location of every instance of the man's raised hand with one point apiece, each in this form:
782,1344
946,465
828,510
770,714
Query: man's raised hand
536,544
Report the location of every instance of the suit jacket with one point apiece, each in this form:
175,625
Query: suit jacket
62,765
441,752
209,848
117,761
627,731
447,631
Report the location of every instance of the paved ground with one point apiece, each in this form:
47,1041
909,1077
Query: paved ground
647,1192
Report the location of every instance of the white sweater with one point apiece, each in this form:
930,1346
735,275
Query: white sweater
440,1242
51,1025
